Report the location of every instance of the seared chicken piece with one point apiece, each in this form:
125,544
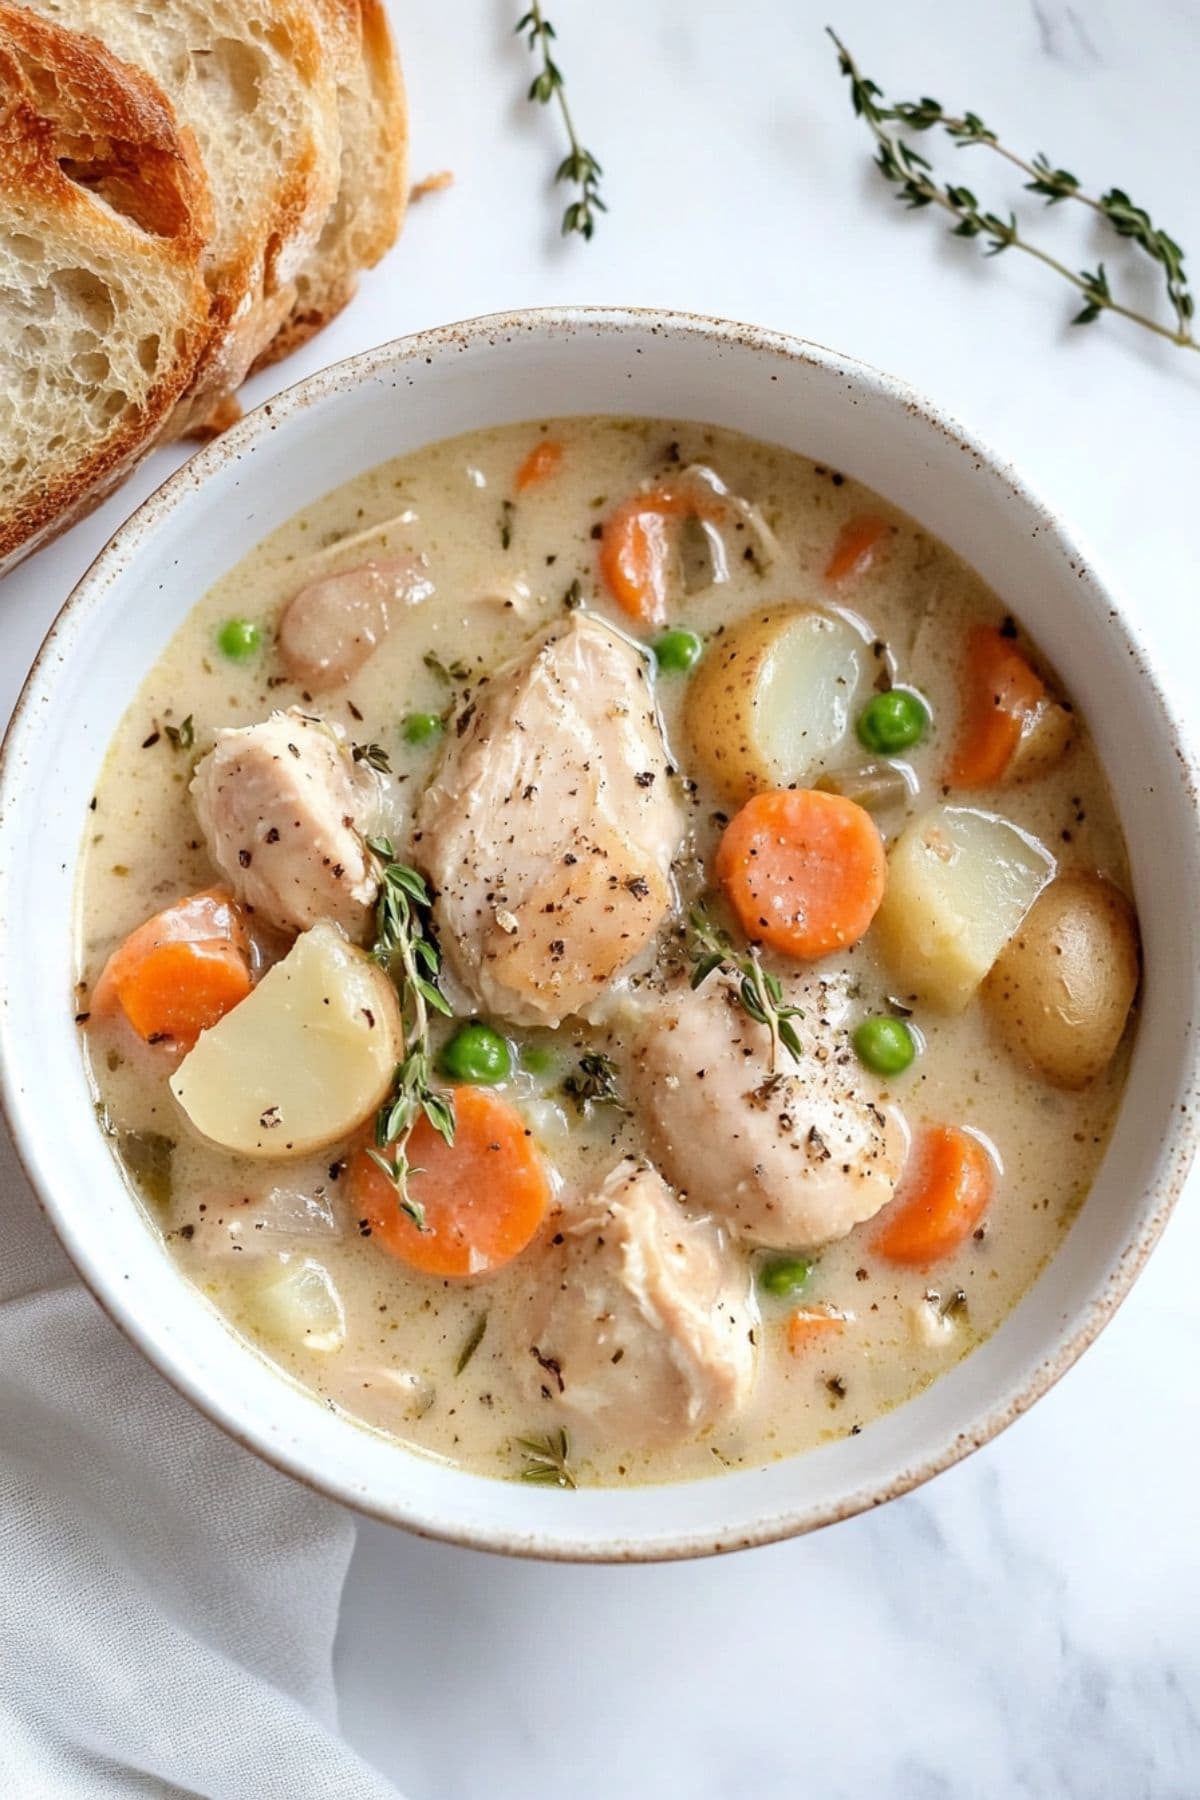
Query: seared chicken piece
792,1159
335,622
284,810
550,825
635,1321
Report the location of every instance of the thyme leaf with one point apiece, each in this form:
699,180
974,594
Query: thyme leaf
183,735
912,174
374,755
578,167
447,672
593,1082
405,948
547,1460
474,1339
759,993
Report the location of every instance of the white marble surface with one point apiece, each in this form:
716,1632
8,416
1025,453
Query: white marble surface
1030,1624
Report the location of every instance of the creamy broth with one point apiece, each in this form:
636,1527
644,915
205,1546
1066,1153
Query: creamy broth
502,566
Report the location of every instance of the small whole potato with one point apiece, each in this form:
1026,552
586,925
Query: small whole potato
1061,989
772,703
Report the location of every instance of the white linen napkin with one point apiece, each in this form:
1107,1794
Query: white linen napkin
168,1603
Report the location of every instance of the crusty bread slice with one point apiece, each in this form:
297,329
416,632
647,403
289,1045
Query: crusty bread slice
254,81
365,219
104,314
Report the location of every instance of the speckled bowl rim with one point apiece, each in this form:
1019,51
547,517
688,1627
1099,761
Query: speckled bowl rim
1175,1156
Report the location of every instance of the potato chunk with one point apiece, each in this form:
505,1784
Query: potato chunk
295,1304
959,884
303,1060
772,703
1061,989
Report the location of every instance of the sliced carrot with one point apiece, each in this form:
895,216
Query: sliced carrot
484,1196
999,691
948,1186
179,972
639,541
808,1324
804,871
542,462
858,544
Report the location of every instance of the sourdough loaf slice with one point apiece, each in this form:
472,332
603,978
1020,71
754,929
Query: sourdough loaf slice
253,80
364,221
104,314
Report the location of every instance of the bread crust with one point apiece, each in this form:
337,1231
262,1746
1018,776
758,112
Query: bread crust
365,219
93,159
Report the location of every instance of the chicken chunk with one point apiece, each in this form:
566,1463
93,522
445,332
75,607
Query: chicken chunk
285,811
792,1159
549,828
335,622
636,1322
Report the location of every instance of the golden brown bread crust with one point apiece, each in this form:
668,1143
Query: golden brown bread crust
69,104
90,149
254,296
330,279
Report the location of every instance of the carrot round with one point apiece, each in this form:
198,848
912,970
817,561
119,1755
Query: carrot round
542,462
484,1196
857,545
808,1324
999,692
180,972
947,1188
639,542
803,870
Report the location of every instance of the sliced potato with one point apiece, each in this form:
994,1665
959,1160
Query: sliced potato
296,1305
959,883
772,703
1061,989
303,1060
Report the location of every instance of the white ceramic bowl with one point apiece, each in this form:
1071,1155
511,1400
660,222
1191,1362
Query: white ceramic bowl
490,372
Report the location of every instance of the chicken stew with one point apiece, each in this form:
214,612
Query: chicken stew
605,953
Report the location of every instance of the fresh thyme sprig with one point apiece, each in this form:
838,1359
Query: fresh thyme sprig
405,949
898,162
760,992
578,166
547,1460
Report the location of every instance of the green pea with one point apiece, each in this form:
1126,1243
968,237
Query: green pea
421,728
536,1059
893,721
239,639
784,1276
477,1054
885,1045
677,652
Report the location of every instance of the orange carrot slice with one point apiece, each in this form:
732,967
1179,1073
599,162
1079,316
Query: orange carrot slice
639,542
948,1186
180,972
543,461
999,691
809,1324
858,544
804,871
484,1196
